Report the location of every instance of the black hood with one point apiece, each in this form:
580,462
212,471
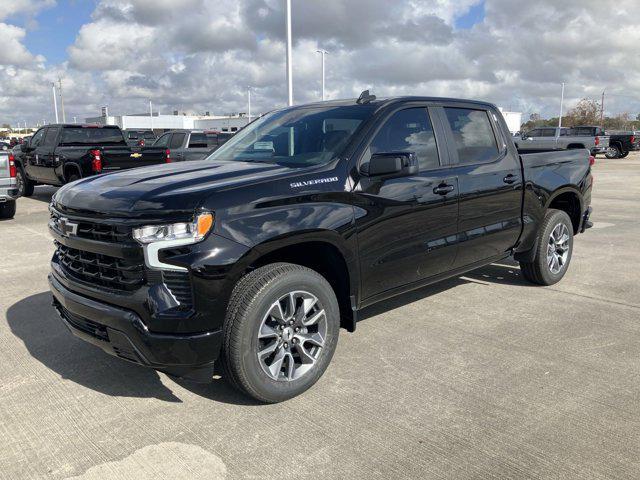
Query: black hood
168,189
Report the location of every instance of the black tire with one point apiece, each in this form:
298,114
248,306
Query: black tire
613,152
250,302
25,186
8,209
539,271
624,154
73,177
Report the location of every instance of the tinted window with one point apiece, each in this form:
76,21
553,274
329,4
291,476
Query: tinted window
149,135
37,138
177,140
133,135
582,132
162,141
200,140
50,137
548,132
472,134
408,131
91,136
534,133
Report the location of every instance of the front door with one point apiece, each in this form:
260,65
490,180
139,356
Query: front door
490,184
30,160
406,226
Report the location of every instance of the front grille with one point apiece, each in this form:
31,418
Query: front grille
101,232
87,326
179,284
101,270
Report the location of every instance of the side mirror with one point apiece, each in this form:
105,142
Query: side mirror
392,164
524,135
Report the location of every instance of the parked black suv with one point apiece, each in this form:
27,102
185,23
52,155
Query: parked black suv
257,255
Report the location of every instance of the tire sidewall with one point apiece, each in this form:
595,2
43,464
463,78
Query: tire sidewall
264,385
22,182
552,222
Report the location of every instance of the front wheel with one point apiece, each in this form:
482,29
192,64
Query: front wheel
25,186
613,152
280,331
553,251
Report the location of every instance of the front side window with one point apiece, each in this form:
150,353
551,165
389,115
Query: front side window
472,135
297,137
37,138
408,130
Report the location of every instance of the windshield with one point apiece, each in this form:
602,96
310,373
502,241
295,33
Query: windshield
296,137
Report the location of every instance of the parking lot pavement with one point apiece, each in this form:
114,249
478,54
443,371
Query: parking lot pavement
482,376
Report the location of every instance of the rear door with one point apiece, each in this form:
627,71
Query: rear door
547,139
489,180
407,226
176,145
200,145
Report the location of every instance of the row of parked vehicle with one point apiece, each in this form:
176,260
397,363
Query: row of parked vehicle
613,144
62,153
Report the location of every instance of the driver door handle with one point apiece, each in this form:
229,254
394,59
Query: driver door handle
511,178
443,189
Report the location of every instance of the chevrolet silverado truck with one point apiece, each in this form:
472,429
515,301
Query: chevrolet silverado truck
8,186
620,144
59,154
186,145
546,139
256,256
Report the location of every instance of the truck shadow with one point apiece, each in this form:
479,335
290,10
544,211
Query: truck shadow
43,193
34,321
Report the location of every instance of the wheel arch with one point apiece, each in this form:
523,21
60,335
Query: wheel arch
570,201
322,251
69,169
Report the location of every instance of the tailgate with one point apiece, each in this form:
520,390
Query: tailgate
114,159
604,140
4,165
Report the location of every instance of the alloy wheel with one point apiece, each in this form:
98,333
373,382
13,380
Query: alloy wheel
558,248
292,336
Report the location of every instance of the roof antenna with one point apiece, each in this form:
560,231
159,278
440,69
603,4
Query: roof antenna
365,98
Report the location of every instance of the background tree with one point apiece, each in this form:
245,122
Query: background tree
586,112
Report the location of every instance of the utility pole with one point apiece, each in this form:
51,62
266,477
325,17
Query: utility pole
55,102
561,101
289,64
322,53
74,119
64,118
151,114
602,111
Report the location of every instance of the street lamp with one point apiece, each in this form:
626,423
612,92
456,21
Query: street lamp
249,103
322,53
289,64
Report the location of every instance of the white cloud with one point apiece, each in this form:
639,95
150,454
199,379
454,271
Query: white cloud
9,8
198,55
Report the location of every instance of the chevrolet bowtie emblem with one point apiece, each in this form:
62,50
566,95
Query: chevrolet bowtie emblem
66,227
136,155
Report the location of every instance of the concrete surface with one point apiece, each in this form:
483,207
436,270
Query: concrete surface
483,376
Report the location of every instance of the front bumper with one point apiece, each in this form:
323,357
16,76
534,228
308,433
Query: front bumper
122,333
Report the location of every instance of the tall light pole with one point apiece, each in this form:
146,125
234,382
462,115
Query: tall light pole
322,53
602,111
289,65
151,114
55,102
249,103
561,102
64,118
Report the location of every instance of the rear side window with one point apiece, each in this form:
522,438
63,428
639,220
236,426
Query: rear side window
92,136
177,140
473,135
133,135
50,137
548,132
163,141
201,140
409,130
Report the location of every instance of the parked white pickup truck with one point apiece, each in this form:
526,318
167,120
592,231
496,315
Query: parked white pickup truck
8,185
543,139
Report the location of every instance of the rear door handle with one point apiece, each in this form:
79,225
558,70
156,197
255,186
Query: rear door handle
511,178
443,189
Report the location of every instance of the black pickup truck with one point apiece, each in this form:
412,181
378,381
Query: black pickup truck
59,154
620,144
256,256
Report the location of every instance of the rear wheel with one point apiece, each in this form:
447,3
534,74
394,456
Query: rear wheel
8,209
73,177
25,186
624,154
280,332
553,251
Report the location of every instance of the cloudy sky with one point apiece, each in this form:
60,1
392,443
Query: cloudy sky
200,55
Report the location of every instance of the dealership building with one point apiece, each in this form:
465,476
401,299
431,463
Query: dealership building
160,123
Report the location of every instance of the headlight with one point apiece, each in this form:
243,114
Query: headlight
194,231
